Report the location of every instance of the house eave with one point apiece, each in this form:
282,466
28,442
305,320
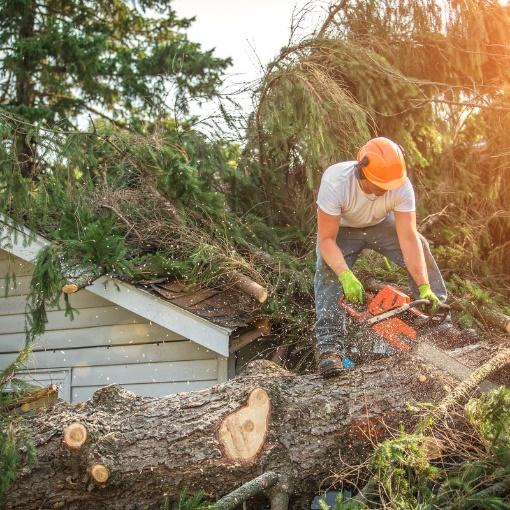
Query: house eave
22,243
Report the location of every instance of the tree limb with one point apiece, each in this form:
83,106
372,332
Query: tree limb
256,486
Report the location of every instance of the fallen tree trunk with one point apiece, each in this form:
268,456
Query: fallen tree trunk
299,428
485,314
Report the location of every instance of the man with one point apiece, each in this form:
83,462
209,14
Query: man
368,203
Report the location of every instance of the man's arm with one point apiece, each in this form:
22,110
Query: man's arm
411,246
327,230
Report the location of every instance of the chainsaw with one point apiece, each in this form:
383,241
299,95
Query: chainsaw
391,323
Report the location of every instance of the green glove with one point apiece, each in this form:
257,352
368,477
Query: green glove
353,290
426,293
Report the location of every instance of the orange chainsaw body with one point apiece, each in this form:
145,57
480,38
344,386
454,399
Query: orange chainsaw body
394,330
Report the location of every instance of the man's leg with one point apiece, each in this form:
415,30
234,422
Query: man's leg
330,327
383,239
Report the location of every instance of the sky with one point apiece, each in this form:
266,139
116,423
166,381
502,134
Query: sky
251,32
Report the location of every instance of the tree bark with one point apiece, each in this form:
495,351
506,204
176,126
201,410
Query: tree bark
485,314
301,428
25,88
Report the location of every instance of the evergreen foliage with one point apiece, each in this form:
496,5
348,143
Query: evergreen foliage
65,57
117,60
472,473
16,449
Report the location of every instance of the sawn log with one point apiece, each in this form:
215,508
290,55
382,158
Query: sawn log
301,428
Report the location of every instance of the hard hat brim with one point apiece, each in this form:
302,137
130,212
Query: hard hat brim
388,185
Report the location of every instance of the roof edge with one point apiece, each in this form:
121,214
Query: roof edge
21,241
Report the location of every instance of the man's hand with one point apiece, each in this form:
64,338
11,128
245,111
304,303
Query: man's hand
353,290
426,293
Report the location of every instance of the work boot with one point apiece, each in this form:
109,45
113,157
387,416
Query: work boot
330,365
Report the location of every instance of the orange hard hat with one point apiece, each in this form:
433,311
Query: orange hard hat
386,167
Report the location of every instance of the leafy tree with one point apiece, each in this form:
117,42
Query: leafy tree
120,59
432,75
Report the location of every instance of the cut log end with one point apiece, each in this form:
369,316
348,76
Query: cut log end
264,326
242,434
99,473
263,329
70,288
75,436
252,288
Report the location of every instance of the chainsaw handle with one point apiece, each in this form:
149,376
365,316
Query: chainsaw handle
359,316
418,302
438,317
442,309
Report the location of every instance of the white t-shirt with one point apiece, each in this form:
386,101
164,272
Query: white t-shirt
341,194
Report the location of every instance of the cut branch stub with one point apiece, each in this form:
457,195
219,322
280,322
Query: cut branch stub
250,287
263,329
70,288
75,435
242,434
77,281
99,473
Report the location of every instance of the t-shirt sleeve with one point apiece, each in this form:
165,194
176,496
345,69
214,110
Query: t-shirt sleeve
328,199
405,200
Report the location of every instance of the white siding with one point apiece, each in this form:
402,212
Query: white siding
14,304
116,355
85,318
118,334
177,371
13,265
11,287
104,344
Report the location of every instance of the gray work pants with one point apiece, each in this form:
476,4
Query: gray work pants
330,328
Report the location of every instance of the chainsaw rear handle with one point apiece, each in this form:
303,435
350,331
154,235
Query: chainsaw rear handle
442,308
359,316
438,317
370,319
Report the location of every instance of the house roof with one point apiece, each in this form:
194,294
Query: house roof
228,308
205,316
